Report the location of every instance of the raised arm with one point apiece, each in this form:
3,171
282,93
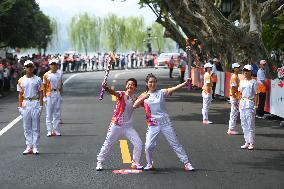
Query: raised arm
173,89
111,91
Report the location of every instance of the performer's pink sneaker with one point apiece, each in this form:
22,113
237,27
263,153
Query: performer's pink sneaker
245,146
188,167
136,166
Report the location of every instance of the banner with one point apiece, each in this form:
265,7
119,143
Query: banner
277,97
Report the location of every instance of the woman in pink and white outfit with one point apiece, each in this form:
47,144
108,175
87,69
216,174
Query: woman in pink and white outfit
158,120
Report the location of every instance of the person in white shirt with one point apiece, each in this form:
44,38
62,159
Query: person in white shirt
249,97
30,107
261,82
53,88
158,120
207,93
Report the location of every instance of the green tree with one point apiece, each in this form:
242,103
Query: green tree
273,33
135,33
20,21
84,32
114,29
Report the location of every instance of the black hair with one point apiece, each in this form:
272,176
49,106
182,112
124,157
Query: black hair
150,75
133,80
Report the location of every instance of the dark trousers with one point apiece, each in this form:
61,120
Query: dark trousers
171,72
182,76
213,90
261,104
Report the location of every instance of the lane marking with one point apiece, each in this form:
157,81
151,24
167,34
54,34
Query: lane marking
10,125
124,151
15,121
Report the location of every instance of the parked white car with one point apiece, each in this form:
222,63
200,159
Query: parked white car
164,58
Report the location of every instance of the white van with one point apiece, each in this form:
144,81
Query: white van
164,58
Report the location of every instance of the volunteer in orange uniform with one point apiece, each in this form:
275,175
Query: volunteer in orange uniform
234,99
53,82
30,107
171,65
207,92
261,89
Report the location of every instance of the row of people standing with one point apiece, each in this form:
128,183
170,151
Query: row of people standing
33,94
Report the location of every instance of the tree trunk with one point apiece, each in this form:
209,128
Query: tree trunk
202,19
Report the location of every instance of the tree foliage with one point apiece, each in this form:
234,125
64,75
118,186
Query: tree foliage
84,32
23,25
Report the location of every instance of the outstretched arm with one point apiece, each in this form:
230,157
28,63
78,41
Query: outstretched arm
173,89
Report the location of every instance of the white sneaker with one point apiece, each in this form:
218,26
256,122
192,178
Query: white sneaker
35,151
149,167
56,133
49,134
188,167
251,147
28,150
136,166
99,166
245,146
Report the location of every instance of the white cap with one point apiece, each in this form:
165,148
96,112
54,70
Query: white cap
235,65
208,65
53,61
247,67
27,62
262,62
215,60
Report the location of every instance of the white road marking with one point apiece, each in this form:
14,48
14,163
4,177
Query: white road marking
15,121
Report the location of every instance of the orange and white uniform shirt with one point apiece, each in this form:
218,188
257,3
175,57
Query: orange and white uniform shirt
234,82
207,86
53,82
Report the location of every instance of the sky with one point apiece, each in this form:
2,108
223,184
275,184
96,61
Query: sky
63,10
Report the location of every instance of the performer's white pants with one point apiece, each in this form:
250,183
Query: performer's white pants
31,118
53,111
206,104
248,124
114,133
234,113
164,126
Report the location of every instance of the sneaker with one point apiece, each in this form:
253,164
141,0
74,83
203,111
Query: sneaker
231,132
251,147
188,167
28,150
99,166
260,117
35,151
206,122
245,146
49,134
149,167
56,133
136,166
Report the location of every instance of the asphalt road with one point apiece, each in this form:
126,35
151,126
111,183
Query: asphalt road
69,161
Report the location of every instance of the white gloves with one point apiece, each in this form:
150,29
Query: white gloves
44,99
20,109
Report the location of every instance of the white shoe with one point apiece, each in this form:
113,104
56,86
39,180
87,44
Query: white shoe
49,134
28,150
99,166
245,146
188,167
56,133
251,147
35,151
136,166
149,167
